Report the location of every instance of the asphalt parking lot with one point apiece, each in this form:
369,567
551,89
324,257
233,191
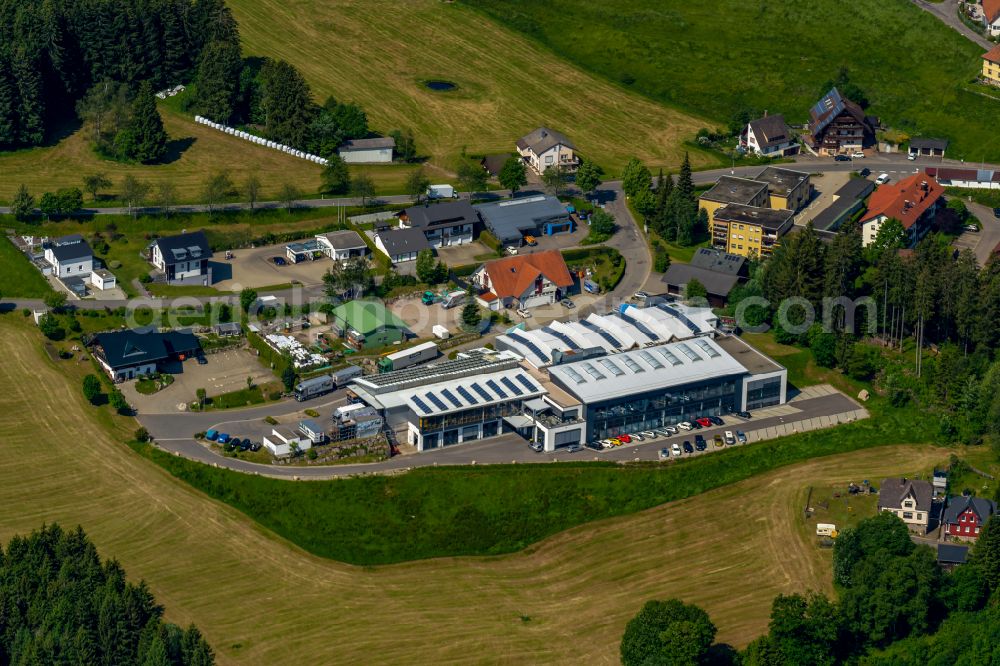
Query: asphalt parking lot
252,267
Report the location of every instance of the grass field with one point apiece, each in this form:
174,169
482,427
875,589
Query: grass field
261,600
18,278
713,59
377,53
198,153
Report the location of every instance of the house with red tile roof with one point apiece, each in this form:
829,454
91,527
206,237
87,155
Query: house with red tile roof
991,64
991,17
914,201
524,280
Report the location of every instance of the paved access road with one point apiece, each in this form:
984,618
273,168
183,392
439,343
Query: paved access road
173,433
947,12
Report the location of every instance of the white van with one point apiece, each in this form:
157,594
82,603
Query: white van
826,529
882,179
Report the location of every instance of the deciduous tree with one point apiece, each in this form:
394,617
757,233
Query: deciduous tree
336,177
417,183
635,177
669,632
513,175
94,183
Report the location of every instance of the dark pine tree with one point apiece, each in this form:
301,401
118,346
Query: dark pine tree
149,139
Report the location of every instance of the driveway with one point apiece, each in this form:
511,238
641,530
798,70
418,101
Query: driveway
947,12
983,242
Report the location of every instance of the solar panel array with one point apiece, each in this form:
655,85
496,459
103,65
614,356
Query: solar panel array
514,388
562,336
471,393
451,398
421,405
674,312
527,342
462,391
437,401
527,383
482,392
601,332
495,388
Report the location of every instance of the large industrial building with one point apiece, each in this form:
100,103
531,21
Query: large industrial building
575,382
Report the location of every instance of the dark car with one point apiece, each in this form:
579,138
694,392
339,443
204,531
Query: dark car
716,420
255,446
841,158
864,173
996,212
743,415
695,425
279,261
687,447
245,445
699,442
202,360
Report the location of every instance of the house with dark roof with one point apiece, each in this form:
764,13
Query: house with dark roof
493,163
770,136
525,280
545,148
838,125
511,220
950,556
183,259
133,353
367,151
928,147
69,256
991,63
966,516
443,224
910,499
845,202
716,270
914,201
401,245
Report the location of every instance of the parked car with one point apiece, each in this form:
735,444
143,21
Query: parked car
882,179
858,155
524,314
718,440
865,172
687,447
606,443
911,156
717,420
741,437
675,449
582,215
663,432
699,442
841,158
648,434
684,425
640,296
743,415
211,435
536,447
971,227
704,422
229,446
695,425
614,441
245,444
996,212
279,261
730,439
624,439
511,250
671,429
223,438
637,436
201,359
567,303
664,454
573,448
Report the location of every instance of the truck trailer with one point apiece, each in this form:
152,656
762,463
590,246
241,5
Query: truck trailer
311,388
407,357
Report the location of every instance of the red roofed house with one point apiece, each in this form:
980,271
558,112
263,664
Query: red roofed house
991,62
991,16
525,280
914,201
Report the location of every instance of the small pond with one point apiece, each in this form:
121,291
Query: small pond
440,85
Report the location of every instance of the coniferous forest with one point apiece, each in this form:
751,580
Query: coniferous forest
60,604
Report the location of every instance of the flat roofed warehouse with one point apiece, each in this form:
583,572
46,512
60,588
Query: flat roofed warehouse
509,221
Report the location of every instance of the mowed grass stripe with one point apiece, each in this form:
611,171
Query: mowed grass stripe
377,52
261,600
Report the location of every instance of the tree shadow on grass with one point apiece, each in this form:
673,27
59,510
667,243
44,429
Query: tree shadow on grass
176,149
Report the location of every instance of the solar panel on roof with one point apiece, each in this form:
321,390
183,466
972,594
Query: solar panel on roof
530,345
422,405
515,389
436,400
482,392
526,383
707,348
687,351
451,398
673,312
649,358
562,336
496,388
601,332
614,369
639,325
462,391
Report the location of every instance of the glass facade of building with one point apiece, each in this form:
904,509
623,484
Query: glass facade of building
467,425
763,393
654,409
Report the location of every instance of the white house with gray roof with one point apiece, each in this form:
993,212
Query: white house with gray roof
545,148
70,256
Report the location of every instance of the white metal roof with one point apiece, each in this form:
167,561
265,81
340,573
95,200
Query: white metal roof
623,331
470,392
674,321
652,368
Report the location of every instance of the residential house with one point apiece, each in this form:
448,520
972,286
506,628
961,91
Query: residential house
910,499
183,258
770,136
966,516
837,125
716,270
733,190
950,555
928,147
513,219
367,151
401,245
69,256
750,231
991,17
493,163
526,280
368,324
845,202
991,66
443,224
914,201
132,353
545,148
786,188
342,245
986,179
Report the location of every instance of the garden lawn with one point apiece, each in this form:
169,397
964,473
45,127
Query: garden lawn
18,277
713,59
